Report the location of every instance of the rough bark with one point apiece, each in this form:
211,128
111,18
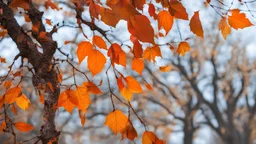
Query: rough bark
45,72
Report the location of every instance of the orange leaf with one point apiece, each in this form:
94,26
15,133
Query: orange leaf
196,26
92,88
41,97
24,127
48,22
152,11
129,132
23,102
99,42
65,102
183,48
50,86
83,98
126,93
178,10
224,27
82,116
8,84
2,126
12,94
165,20
20,3
165,68
96,62
149,87
139,26
138,3
52,5
238,20
133,85
14,110
60,78
26,17
138,65
117,55
149,137
120,83
137,49
116,121
151,53
84,49
1,101
119,10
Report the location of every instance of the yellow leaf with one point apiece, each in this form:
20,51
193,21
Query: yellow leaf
224,27
133,85
96,62
196,26
238,20
12,94
23,102
24,127
138,65
183,48
84,48
165,20
126,93
116,121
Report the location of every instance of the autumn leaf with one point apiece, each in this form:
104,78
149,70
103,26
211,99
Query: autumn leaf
151,53
92,88
166,68
99,42
14,110
183,48
138,3
82,116
126,93
65,102
117,55
50,86
96,62
238,20
120,83
129,132
41,97
23,102
8,84
149,87
165,20
139,26
2,126
196,26
119,10
177,10
1,101
116,121
24,127
133,85
83,98
152,11
20,3
12,94
149,137
138,65
47,21
224,27
84,49
52,5
137,49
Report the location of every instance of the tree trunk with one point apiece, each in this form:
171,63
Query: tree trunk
45,77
